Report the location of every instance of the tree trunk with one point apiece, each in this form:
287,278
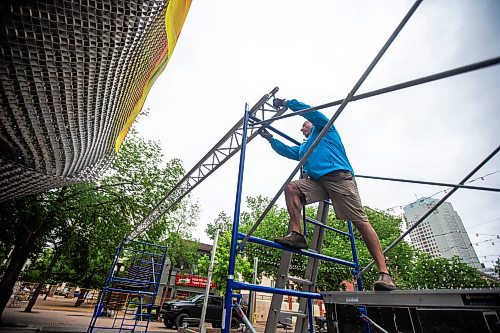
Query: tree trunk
31,228
16,262
43,278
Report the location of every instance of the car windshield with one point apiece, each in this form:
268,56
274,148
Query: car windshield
194,298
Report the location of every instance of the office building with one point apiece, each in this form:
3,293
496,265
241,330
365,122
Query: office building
442,234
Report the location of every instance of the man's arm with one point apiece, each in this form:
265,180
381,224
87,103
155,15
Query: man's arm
284,150
317,118
280,147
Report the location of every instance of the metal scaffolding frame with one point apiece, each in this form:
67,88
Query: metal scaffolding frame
236,235
130,289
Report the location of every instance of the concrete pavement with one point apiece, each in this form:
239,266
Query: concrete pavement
58,315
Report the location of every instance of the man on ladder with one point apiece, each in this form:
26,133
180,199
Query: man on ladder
330,177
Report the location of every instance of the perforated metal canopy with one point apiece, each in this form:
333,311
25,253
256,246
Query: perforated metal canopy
73,76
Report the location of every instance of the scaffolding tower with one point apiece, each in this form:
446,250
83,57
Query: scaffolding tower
129,293
308,282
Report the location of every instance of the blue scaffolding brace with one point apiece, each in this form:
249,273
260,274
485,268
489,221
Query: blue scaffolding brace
129,293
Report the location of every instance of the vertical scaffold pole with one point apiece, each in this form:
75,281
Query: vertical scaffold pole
99,305
359,283
226,320
203,329
310,314
355,259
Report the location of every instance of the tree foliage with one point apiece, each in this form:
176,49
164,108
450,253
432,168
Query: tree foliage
243,268
410,268
438,273
84,223
106,213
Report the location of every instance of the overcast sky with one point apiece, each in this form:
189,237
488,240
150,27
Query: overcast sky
232,52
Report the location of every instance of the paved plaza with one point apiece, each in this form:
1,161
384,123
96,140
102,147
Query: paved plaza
59,315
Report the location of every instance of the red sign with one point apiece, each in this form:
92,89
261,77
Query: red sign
192,281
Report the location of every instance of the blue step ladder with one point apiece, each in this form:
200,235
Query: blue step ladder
129,293
308,282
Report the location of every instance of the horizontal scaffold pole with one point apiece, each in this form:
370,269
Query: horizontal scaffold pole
491,189
271,290
399,86
306,253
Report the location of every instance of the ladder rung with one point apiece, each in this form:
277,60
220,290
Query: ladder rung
300,281
136,325
140,303
294,313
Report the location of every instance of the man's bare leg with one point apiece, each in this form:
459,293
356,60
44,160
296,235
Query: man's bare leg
294,206
370,237
294,239
372,242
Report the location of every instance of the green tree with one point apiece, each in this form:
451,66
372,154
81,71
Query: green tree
27,222
427,272
222,223
410,268
243,268
89,220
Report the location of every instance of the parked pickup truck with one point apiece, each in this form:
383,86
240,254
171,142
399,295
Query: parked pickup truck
174,313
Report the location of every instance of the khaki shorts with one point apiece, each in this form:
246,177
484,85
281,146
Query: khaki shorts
341,188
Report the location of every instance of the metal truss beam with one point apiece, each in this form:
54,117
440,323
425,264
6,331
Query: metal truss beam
223,150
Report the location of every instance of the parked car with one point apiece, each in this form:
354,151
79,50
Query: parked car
174,313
